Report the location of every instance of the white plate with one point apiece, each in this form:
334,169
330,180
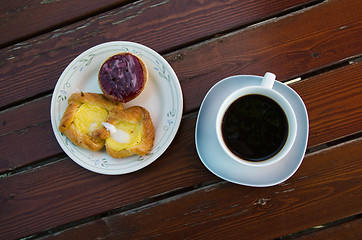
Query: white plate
219,163
162,97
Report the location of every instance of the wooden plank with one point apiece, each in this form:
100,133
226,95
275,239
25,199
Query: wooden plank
289,46
324,107
326,188
350,230
26,135
62,191
334,105
161,25
25,194
20,19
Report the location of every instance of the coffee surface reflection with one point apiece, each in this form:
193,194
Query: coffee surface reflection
254,127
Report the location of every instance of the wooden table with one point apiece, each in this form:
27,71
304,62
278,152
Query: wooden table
314,46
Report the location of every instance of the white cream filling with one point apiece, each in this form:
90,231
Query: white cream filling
118,135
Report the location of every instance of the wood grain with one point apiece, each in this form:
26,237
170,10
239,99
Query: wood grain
333,101
350,230
26,135
326,187
62,191
24,195
33,66
22,19
289,46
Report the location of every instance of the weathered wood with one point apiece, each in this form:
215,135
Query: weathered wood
289,46
334,106
33,66
328,114
62,192
326,188
17,135
24,194
26,135
23,19
350,230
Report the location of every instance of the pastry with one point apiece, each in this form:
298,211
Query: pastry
130,132
122,77
83,118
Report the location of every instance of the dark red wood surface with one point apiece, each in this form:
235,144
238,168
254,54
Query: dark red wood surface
24,19
347,230
44,194
325,110
23,130
289,46
64,178
228,211
36,64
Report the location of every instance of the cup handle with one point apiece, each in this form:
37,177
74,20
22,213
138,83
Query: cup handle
268,80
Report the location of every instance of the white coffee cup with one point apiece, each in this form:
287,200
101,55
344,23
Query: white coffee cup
265,89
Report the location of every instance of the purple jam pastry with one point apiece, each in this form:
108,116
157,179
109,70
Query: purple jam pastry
122,77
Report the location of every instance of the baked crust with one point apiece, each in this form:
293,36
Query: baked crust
138,115
94,140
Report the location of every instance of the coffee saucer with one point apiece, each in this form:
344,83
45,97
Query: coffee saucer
223,166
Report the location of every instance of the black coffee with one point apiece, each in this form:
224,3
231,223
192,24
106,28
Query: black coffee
254,127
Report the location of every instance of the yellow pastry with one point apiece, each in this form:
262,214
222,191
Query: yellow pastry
130,132
83,117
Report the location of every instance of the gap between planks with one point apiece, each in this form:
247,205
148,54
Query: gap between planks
193,114
168,197
219,35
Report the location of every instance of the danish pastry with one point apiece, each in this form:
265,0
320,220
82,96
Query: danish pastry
130,132
83,117
122,77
